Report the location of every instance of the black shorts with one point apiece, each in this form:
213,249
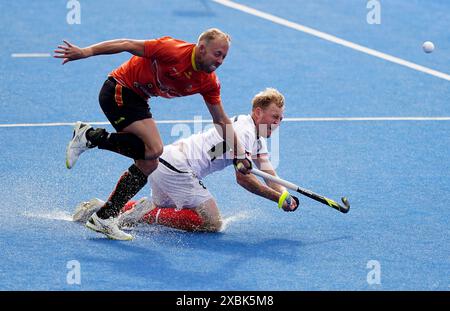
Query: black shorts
121,105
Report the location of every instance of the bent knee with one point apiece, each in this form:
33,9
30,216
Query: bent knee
147,166
153,152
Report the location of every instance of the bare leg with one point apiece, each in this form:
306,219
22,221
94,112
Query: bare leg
148,132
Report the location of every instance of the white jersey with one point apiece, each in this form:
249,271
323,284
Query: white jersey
207,153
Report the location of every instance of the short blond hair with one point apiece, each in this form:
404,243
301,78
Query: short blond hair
212,34
268,96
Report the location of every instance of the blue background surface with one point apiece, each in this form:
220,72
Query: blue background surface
395,173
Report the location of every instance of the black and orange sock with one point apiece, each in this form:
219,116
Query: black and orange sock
127,187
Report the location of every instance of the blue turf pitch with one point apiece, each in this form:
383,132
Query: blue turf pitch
395,173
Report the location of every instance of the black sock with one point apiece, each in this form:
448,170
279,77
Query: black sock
96,136
127,187
126,144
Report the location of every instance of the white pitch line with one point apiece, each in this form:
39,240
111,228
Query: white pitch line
48,124
340,119
331,38
366,119
29,55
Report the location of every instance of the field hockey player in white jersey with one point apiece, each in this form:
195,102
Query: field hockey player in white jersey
179,197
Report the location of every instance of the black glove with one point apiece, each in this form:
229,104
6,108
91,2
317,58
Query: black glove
238,165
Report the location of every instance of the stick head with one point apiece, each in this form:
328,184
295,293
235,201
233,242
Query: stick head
346,204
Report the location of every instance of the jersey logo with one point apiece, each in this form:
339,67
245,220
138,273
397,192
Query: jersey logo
173,74
121,119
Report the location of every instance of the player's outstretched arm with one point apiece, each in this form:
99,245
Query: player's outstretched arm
70,52
252,184
263,163
271,190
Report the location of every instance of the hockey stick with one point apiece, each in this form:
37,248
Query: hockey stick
305,192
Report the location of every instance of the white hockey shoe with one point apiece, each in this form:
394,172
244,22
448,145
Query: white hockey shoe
84,210
78,144
108,227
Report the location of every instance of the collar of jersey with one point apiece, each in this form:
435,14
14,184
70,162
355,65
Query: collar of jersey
193,59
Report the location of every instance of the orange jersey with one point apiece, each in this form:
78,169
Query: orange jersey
167,69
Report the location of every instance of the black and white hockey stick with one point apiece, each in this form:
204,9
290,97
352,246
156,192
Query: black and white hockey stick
305,192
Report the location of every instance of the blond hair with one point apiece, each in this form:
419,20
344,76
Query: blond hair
268,96
212,34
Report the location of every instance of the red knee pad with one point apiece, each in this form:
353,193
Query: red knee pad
129,205
184,219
